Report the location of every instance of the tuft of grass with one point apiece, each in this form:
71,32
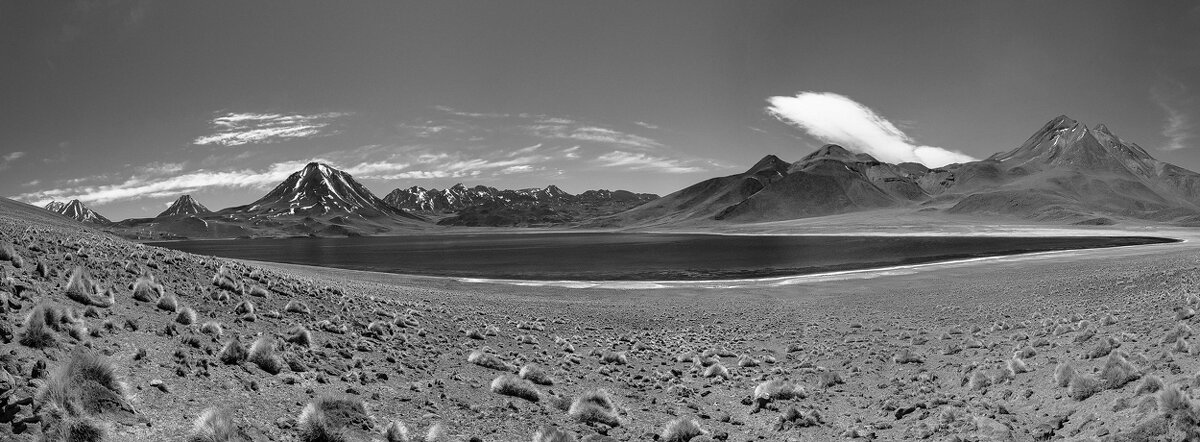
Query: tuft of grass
979,381
907,356
7,252
1063,374
329,419
681,429
1083,386
716,371
37,333
212,328
1118,371
614,357
778,389
259,292
829,378
213,425
262,354
553,434
87,384
484,358
244,308
232,352
510,385
1017,366
167,303
396,431
1150,384
594,407
294,306
534,373
80,286
186,316
300,336
225,279
146,290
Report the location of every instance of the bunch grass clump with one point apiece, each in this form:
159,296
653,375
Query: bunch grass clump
262,354
534,373
186,316
594,407
510,385
681,429
232,353
328,419
146,290
300,336
396,431
213,425
553,434
483,358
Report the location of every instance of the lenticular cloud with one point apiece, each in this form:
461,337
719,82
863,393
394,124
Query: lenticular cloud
834,118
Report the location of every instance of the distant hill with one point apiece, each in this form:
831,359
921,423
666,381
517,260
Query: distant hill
1064,173
482,206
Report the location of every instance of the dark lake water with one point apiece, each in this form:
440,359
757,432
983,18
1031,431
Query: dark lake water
629,256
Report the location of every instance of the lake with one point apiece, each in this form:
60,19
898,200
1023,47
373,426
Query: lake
630,256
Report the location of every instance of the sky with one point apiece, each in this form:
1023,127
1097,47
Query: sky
126,105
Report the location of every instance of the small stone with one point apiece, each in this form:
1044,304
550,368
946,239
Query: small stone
158,383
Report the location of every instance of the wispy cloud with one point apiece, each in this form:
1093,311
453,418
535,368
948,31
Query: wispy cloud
646,125
145,186
8,159
642,161
1179,126
834,118
236,129
594,134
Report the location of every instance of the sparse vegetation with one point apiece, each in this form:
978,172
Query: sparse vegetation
535,374
515,386
232,352
262,354
594,406
213,425
681,429
329,419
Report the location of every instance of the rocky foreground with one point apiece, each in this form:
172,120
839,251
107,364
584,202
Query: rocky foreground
104,339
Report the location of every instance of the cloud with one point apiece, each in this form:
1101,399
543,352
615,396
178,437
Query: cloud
834,118
642,161
139,186
1177,129
6,160
236,129
645,125
594,134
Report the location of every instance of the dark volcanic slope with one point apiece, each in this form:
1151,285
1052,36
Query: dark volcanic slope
1065,173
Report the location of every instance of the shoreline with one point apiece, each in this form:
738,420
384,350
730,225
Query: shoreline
780,280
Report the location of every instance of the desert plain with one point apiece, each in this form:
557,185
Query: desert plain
1073,345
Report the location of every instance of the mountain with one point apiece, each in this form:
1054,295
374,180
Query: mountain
487,206
55,206
184,206
317,200
77,211
1065,172
319,190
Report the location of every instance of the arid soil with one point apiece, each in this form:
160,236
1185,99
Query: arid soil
1077,345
